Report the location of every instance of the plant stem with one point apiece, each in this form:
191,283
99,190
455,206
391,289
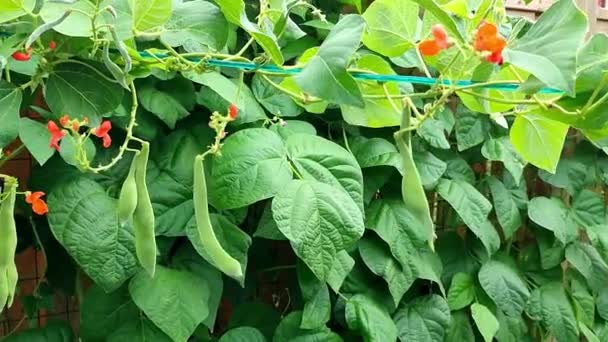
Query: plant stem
14,153
241,51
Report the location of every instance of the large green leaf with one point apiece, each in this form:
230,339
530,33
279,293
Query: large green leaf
36,137
504,286
150,14
461,292
586,259
375,152
275,101
485,320
505,206
13,9
343,264
550,305
243,334
196,22
471,128
429,167
391,26
318,221
424,319
174,300
472,208
501,149
539,140
10,102
370,319
592,62
234,11
54,330
137,329
548,49
320,159
460,328
512,329
253,166
77,24
169,100
377,257
102,312
217,85
588,208
325,75
289,330
83,219
378,111
317,307
77,90
552,214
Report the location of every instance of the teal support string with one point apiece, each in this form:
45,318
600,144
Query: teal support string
245,66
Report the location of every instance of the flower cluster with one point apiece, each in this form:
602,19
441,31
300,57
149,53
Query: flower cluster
38,204
440,41
73,125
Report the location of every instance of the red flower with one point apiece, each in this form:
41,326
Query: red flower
102,132
38,204
440,41
21,56
487,39
52,45
64,121
233,111
56,134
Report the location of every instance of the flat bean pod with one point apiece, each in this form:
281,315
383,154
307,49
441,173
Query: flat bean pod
219,257
127,201
143,217
8,227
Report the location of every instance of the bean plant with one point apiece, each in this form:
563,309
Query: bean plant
303,170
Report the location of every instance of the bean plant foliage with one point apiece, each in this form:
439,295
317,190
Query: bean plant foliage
294,170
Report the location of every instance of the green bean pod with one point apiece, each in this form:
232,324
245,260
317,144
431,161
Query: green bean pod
43,28
127,201
114,69
8,228
12,279
122,50
219,257
412,190
143,217
3,288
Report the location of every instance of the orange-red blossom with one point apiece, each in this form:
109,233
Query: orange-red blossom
488,40
440,41
38,204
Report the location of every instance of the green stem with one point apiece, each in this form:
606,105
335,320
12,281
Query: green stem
595,93
242,50
14,153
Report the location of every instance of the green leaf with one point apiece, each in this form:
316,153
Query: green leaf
433,130
10,103
227,89
588,209
461,292
319,159
169,177
586,259
370,319
234,241
267,228
539,140
486,321
504,286
460,328
343,264
429,167
505,206
173,300
317,306
253,166
425,318
138,329
501,149
83,219
602,303
442,16
378,111
77,24
54,330
36,137
79,90
14,9
170,100
552,214
377,257
471,128
314,216
68,150
472,208
548,49
289,330
199,22
375,152
149,14
591,63
275,101
325,75
234,11
243,334
391,27
550,305
512,329
291,127
102,312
